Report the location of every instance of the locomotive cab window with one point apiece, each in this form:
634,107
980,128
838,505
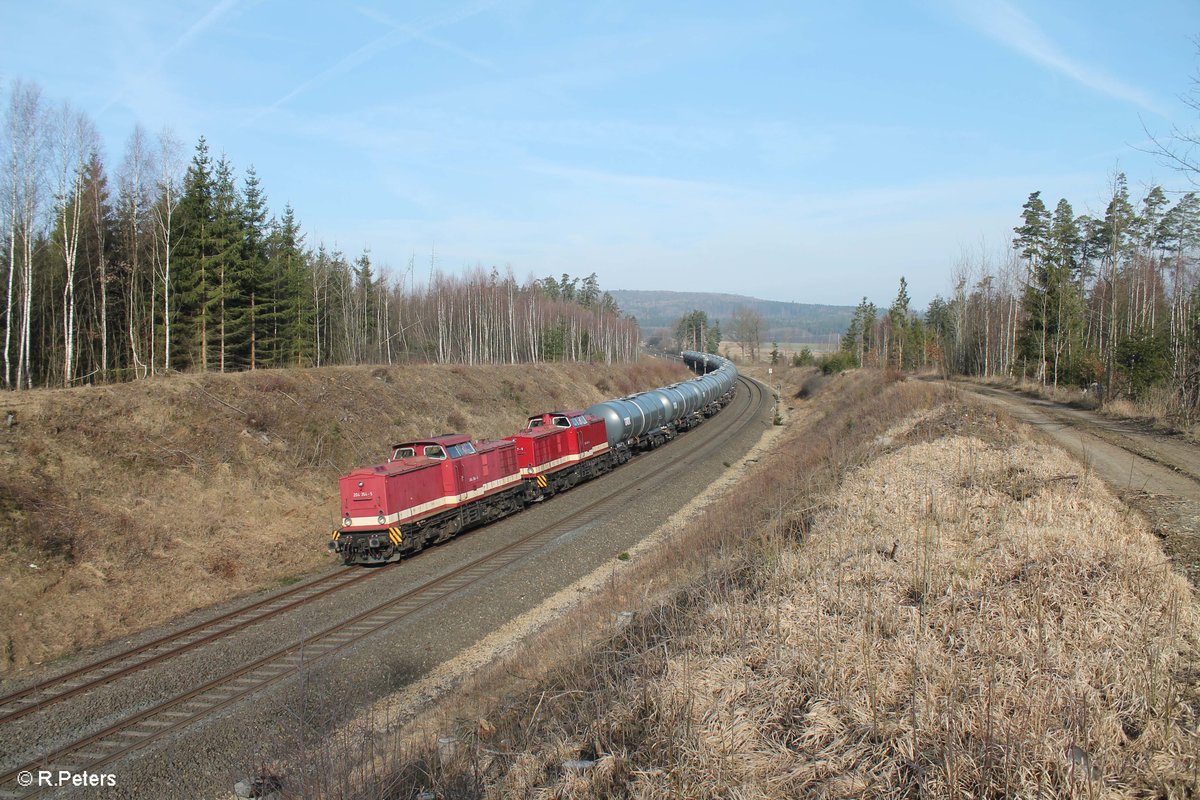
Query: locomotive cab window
578,422
468,449
536,422
434,451
404,452
561,422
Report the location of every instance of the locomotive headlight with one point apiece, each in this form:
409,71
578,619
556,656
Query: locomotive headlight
346,521
380,519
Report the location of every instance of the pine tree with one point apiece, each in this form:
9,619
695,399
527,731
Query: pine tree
1063,301
898,316
1033,243
290,325
192,260
257,285
98,248
229,273
550,288
859,339
589,293
1032,238
694,331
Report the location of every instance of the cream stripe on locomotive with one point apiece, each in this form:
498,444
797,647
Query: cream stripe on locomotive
530,471
448,500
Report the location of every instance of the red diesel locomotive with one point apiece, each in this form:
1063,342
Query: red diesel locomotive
432,489
560,449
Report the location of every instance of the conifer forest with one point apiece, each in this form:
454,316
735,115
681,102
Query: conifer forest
173,261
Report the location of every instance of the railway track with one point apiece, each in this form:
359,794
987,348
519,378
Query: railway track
90,676
112,743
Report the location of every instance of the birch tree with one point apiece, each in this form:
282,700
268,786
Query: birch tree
165,207
134,203
75,139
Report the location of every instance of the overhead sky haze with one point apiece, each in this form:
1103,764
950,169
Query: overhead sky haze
812,152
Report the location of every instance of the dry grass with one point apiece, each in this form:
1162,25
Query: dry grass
969,614
124,506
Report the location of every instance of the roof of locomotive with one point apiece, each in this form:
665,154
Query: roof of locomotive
546,430
444,439
399,466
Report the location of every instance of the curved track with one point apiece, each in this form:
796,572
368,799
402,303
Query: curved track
152,724
62,687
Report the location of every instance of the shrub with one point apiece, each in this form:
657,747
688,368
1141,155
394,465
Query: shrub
1145,359
457,421
838,362
812,384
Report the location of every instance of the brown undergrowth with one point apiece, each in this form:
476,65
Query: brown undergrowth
894,605
124,506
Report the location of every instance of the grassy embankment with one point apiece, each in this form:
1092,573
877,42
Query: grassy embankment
124,506
895,602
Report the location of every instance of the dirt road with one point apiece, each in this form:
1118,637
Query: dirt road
1155,473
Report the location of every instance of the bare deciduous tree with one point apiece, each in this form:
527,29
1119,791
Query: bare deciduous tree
25,125
746,328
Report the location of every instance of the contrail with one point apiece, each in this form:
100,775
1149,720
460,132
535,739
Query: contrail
399,34
204,23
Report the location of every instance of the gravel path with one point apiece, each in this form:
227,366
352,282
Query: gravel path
1154,472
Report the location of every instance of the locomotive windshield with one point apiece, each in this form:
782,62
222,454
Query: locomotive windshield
464,449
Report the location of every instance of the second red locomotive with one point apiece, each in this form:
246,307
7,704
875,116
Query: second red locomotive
559,449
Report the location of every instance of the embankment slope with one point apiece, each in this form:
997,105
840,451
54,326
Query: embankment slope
124,506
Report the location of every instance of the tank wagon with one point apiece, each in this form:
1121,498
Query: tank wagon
432,489
650,419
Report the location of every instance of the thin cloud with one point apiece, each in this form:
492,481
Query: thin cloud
198,27
651,183
396,36
1004,22
425,36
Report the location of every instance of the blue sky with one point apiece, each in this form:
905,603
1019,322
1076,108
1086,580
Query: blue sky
801,151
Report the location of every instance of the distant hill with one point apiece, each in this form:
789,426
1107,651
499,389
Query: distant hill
782,322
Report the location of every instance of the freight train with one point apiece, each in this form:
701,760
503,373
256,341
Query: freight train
432,489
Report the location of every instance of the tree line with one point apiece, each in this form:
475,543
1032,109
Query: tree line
1111,299
174,266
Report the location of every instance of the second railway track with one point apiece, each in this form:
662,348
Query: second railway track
43,694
